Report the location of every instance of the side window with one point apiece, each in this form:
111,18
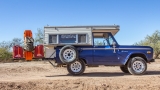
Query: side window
99,39
81,38
52,38
67,38
111,40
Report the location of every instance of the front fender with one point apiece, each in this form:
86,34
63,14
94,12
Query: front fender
129,55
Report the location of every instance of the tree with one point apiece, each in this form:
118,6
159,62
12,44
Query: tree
39,36
142,42
17,41
6,45
9,44
153,41
98,43
6,48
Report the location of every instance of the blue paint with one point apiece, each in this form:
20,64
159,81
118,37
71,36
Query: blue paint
104,55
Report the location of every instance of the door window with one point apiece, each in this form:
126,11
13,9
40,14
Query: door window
100,39
110,39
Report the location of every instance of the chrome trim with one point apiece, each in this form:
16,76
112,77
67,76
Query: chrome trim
135,48
115,48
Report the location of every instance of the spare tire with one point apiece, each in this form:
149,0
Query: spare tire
29,44
68,54
29,47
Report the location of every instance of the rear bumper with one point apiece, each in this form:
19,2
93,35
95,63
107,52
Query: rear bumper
152,60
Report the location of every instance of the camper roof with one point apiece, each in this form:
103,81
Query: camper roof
95,28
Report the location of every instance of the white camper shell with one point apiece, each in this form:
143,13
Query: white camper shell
74,35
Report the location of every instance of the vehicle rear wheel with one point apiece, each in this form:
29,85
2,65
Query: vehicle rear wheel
137,66
68,54
76,68
124,69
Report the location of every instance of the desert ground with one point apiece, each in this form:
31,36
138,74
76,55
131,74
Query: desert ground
40,75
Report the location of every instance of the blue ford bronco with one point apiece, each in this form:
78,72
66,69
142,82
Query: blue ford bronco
102,50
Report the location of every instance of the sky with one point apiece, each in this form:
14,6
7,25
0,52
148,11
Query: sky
136,18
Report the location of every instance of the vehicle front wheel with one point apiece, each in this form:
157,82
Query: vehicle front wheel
137,66
76,68
124,69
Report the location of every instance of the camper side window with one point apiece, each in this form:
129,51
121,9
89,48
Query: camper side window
81,38
67,38
52,38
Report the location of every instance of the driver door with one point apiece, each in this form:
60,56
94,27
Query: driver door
103,51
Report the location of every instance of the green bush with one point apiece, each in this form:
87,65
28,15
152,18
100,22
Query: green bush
5,55
152,40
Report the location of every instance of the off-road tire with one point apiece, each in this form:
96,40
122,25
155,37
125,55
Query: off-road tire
137,66
29,47
76,70
124,69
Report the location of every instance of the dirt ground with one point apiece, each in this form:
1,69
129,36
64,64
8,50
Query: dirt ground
40,75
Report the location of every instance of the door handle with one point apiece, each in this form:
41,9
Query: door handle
114,49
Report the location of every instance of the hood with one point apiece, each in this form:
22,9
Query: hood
133,46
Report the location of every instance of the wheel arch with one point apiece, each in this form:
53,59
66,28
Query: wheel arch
137,55
84,60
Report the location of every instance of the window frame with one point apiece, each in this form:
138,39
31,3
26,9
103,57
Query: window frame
76,42
52,42
86,38
66,43
108,44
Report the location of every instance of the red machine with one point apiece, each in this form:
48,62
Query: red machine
29,51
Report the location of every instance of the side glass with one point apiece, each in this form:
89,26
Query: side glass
110,40
100,39
52,38
81,38
67,38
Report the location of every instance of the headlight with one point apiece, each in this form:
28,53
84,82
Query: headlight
148,52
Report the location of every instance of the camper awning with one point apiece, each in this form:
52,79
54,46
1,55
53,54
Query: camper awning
113,29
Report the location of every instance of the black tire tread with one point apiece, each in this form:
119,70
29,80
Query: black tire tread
124,69
79,73
130,68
